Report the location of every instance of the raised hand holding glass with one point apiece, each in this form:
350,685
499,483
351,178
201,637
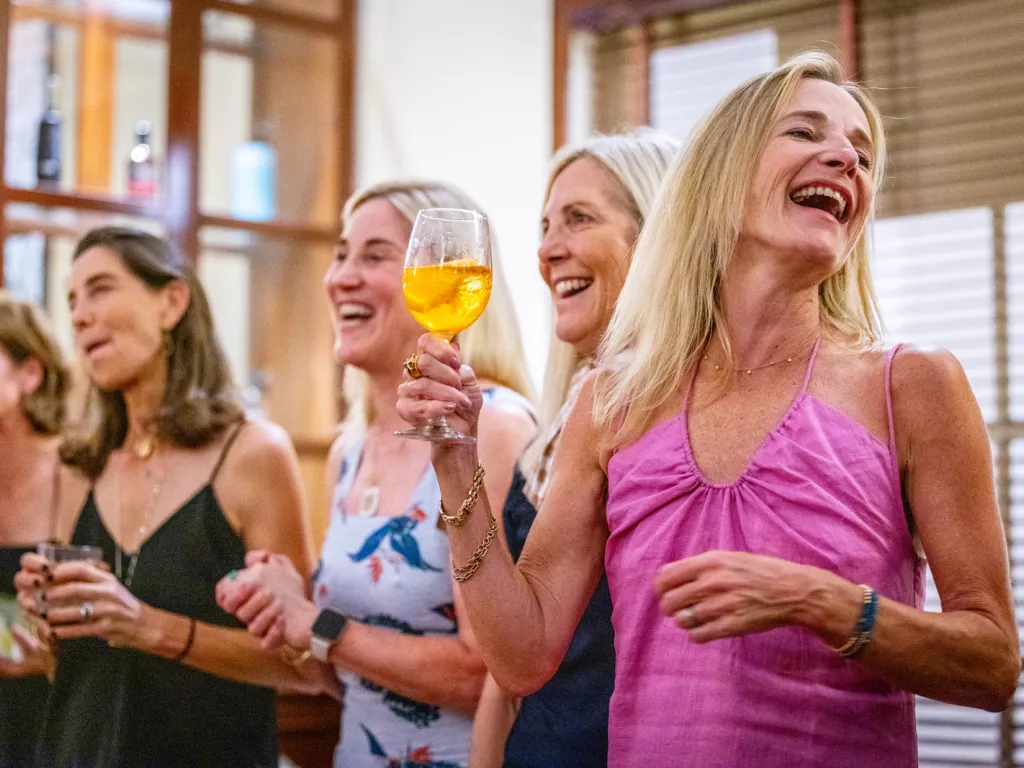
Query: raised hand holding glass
447,283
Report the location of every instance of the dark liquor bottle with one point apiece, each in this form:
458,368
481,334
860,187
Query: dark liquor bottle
48,149
142,170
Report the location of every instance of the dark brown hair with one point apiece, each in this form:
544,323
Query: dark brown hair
200,400
25,335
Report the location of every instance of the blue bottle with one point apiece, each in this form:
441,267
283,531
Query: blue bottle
253,181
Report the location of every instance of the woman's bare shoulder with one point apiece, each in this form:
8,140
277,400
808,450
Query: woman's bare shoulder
260,454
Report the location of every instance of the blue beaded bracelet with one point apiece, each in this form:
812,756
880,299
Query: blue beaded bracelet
865,625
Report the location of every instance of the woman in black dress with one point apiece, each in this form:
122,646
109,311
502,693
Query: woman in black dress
150,671
33,388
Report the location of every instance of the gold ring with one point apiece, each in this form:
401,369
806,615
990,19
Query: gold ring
412,366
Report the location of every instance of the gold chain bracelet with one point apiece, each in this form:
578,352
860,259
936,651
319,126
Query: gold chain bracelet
471,496
476,559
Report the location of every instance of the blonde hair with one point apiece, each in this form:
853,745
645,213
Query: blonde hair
25,335
670,303
492,346
638,161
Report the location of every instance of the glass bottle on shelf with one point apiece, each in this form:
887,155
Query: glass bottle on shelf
254,177
48,160
142,169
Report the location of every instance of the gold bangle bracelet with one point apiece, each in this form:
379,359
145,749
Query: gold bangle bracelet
467,506
477,558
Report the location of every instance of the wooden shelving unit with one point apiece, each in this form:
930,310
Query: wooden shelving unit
283,64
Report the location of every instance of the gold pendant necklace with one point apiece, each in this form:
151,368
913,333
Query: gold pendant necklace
143,447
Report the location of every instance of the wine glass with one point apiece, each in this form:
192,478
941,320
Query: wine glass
447,282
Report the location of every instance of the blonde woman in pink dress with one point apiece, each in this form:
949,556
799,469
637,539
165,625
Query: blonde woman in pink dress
758,477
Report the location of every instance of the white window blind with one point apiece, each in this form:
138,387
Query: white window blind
1017,557
688,80
1014,228
1014,245
697,57
934,274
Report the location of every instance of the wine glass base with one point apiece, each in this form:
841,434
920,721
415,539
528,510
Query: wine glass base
436,434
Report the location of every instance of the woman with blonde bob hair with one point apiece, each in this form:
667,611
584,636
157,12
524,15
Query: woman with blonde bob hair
598,194
754,472
385,615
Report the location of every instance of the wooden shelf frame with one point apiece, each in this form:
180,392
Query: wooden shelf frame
129,28
178,211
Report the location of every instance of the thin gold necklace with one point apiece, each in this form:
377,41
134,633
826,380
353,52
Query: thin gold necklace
790,359
127,576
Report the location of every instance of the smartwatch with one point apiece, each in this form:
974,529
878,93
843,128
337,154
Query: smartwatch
325,632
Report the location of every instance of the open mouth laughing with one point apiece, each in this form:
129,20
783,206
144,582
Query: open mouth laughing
571,286
352,313
831,199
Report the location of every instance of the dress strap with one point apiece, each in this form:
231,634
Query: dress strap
810,364
224,451
350,463
888,398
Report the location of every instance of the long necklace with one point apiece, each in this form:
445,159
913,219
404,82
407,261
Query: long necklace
789,359
127,576
369,500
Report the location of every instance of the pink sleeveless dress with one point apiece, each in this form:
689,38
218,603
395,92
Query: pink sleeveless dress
820,490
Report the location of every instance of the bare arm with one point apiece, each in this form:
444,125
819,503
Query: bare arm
260,487
495,716
497,709
969,653
524,614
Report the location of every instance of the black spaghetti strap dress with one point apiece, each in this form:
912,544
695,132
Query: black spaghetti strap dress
22,700
115,707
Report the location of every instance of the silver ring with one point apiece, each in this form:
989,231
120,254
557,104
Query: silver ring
86,611
688,618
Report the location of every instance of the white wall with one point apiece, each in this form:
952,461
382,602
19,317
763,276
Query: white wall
461,90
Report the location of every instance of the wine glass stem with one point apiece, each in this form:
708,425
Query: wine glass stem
441,422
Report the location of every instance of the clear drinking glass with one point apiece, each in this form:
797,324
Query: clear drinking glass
10,611
447,283
66,553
